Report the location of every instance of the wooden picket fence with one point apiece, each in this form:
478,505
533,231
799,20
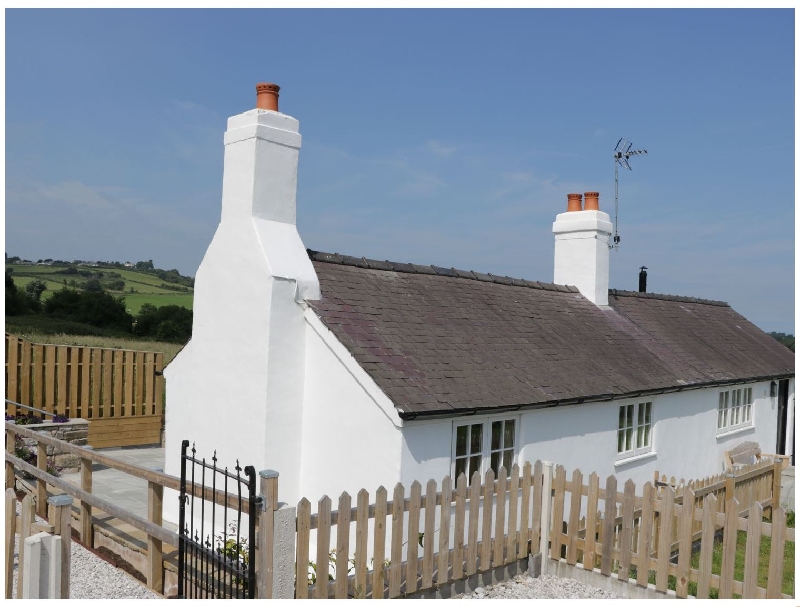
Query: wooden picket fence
652,537
417,541
119,391
475,528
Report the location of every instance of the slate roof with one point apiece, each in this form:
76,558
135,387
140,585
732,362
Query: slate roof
444,341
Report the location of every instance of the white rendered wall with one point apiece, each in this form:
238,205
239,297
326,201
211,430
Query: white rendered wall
351,435
237,387
582,253
585,436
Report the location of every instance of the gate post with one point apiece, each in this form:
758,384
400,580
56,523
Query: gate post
266,533
61,519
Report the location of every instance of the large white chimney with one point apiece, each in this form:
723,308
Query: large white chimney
237,387
581,251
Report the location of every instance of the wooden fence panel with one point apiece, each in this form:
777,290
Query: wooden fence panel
486,531
729,549
129,383
74,381
303,536
474,516
25,374
574,513
557,522
412,551
430,531
362,522
379,556
50,378
777,545
626,536
610,514
12,369
511,542
323,547
38,376
645,547
396,553
444,531
342,546
536,528
499,518
751,551
460,527
706,547
685,543
525,512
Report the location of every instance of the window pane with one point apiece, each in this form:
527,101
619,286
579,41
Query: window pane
622,417
639,436
629,421
648,411
508,435
461,466
628,439
747,413
640,415
748,395
508,460
495,461
474,464
620,440
461,440
646,442
719,419
476,444
497,433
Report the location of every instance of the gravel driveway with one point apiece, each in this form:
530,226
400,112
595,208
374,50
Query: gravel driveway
543,587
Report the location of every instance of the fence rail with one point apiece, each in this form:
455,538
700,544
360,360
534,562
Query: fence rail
120,392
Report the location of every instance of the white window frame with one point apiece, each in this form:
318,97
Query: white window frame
486,447
635,430
734,409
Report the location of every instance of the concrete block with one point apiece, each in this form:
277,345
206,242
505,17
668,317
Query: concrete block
283,553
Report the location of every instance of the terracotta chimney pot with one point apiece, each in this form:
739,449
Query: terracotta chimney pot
592,201
574,202
267,96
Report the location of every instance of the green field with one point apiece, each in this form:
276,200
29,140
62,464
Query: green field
147,288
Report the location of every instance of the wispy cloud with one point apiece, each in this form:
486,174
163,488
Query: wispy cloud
439,149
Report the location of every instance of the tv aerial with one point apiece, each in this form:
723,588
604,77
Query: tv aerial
622,153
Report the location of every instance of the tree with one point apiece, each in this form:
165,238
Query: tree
93,286
35,288
16,301
96,308
786,340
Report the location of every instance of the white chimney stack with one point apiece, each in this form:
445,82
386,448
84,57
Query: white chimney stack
237,386
582,247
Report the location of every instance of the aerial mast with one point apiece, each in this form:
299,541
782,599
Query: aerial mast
622,152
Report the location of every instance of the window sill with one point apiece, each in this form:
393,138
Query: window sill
635,458
726,433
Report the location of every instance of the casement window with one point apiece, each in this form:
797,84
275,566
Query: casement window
635,430
735,409
483,444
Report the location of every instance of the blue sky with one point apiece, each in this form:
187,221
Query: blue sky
447,137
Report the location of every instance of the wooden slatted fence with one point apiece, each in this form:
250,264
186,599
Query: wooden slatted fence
667,536
120,392
419,539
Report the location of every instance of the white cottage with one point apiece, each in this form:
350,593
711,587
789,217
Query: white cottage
344,373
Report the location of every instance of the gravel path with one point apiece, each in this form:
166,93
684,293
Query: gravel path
90,577
543,587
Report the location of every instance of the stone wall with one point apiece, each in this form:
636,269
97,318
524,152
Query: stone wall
75,432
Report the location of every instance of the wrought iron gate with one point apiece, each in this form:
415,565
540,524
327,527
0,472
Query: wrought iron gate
214,561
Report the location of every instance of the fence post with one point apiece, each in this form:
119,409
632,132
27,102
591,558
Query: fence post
26,519
43,567
41,486
86,508
547,489
11,524
266,533
776,486
155,556
10,438
62,523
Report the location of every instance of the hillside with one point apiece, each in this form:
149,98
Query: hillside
137,286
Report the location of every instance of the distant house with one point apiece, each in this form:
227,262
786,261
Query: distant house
344,373
128,264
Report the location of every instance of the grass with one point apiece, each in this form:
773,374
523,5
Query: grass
147,287
135,301
95,341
